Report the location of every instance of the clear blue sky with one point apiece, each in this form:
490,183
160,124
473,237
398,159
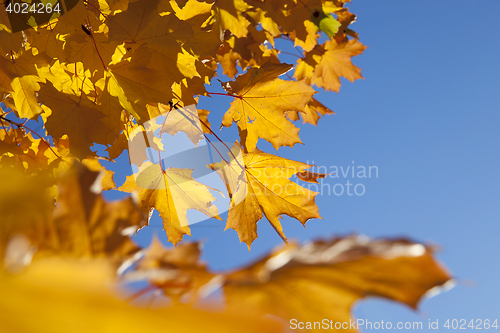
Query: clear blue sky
427,115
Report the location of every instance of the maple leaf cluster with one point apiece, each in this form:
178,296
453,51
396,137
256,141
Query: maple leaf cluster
101,74
101,71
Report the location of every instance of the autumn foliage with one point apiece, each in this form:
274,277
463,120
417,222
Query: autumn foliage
100,74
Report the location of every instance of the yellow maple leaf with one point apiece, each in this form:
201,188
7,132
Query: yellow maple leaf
171,192
187,120
74,116
142,25
59,156
259,185
229,15
324,65
136,138
33,157
19,75
251,50
112,109
206,37
108,7
132,24
47,39
8,41
313,111
24,89
135,85
70,78
300,20
262,12
261,102
93,51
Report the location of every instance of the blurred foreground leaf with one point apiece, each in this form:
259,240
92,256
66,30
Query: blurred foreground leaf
56,296
324,279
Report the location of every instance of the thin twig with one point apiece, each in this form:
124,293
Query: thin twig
29,129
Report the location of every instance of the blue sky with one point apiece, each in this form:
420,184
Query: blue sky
426,116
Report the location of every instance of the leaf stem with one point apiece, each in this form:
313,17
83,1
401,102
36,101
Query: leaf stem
81,90
95,45
97,8
218,152
159,161
221,94
212,132
3,126
291,54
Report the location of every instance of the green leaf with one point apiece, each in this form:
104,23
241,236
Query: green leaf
325,22
329,25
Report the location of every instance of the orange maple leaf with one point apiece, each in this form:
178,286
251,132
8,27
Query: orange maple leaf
258,184
323,279
325,64
261,102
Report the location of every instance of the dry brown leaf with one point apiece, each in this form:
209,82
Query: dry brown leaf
309,176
